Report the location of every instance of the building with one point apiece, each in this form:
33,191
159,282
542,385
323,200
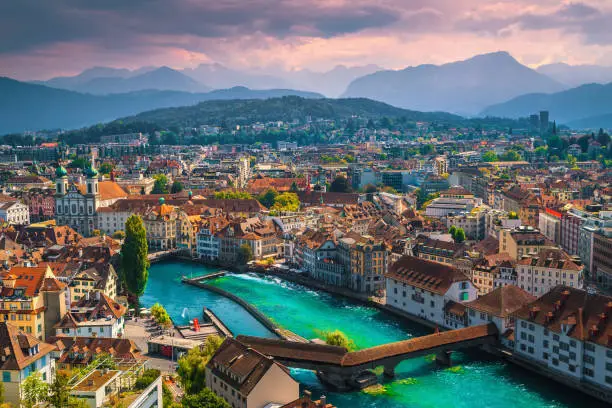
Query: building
246,378
31,299
98,278
95,314
571,221
549,224
497,307
539,273
21,355
14,213
522,241
424,288
568,333
365,262
437,250
78,352
602,260
77,205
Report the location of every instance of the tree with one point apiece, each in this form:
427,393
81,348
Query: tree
191,366
1,393
134,252
177,187
267,199
459,235
161,184
245,254
340,185
232,195
204,399
286,202
338,338
512,215
294,187
106,168
160,315
571,160
452,231
35,390
119,235
490,156
59,392
96,233
511,155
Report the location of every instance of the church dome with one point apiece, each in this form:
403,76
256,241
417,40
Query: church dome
90,172
162,200
60,172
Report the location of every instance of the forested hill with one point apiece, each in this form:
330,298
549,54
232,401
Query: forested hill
286,109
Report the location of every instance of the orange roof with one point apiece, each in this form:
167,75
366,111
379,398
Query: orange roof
29,279
110,190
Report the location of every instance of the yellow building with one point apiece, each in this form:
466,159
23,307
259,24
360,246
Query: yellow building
101,278
31,299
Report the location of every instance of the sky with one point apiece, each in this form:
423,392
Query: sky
40,39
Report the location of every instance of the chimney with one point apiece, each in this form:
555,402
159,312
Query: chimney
307,395
323,401
86,295
594,331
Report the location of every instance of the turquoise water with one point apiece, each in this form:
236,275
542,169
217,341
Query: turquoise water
475,380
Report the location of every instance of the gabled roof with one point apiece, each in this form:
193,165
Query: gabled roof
431,276
502,301
584,316
240,366
28,279
14,345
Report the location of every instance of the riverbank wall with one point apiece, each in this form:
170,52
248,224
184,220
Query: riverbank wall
260,317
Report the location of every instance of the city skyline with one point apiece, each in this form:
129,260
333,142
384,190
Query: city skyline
39,41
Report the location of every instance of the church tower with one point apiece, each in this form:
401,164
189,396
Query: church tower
61,181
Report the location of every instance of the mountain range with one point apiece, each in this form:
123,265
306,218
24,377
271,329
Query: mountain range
464,87
203,78
30,107
576,75
586,106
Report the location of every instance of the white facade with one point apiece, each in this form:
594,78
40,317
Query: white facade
426,304
207,245
106,328
15,213
538,280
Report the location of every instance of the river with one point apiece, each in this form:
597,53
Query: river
475,381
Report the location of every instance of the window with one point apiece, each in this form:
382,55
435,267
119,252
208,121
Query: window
545,343
589,347
589,359
608,379
523,324
573,343
555,337
6,376
588,372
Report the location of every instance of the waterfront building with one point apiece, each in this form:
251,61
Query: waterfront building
160,222
539,273
246,378
493,271
444,206
568,333
423,288
496,306
21,355
95,314
365,262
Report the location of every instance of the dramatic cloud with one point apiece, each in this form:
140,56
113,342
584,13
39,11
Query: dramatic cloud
42,38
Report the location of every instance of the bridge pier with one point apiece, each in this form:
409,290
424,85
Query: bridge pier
389,371
443,358
337,381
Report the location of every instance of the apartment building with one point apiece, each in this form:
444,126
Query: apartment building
539,273
568,333
423,288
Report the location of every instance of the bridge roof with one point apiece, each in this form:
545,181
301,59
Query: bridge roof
339,356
